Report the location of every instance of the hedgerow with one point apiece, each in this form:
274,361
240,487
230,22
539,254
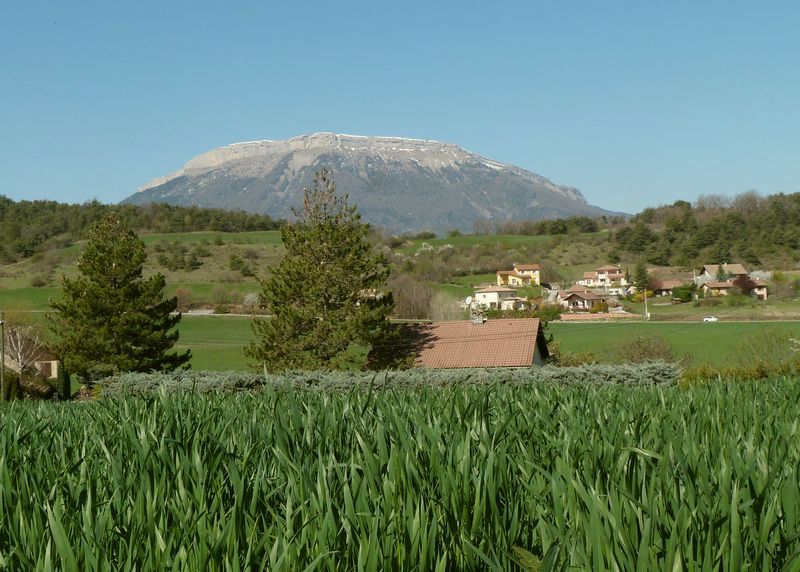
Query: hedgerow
649,374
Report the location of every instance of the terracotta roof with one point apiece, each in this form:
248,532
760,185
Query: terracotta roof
494,289
713,269
494,343
512,273
608,268
716,284
669,284
527,267
759,282
585,296
590,274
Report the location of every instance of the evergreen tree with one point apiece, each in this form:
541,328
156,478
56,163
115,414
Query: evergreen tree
110,318
640,277
327,292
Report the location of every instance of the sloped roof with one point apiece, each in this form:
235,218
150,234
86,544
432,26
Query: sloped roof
717,284
669,284
511,273
608,268
527,267
590,274
494,289
713,269
585,296
494,343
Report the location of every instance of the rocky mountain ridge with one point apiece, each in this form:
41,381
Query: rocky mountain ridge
398,183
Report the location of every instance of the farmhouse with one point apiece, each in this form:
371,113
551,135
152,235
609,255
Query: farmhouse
521,275
711,271
492,343
498,297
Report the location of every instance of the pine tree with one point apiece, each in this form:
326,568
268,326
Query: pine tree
110,318
640,277
326,295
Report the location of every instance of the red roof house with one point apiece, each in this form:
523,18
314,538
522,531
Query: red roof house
491,343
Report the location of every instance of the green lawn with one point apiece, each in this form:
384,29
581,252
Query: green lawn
216,341
717,344
27,298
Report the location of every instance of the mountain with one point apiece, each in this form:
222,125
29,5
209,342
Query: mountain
399,184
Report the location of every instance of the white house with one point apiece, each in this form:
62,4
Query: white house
604,276
498,297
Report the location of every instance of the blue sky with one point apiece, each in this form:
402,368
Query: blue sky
635,103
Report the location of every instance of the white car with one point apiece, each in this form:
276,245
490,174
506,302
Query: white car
711,319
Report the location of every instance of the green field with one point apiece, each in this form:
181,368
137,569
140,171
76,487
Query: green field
582,477
216,341
717,344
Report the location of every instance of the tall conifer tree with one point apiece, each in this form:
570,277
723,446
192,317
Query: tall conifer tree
111,319
327,292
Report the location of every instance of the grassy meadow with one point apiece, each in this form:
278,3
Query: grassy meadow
492,478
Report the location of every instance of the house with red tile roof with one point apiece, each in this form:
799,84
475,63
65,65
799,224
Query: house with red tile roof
478,343
521,275
604,276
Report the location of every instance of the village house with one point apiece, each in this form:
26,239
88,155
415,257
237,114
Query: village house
760,289
711,272
665,287
604,276
714,288
35,357
482,343
580,298
498,297
521,275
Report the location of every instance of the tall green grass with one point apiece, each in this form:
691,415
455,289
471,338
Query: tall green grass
610,478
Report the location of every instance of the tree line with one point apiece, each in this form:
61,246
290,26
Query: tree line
29,227
326,297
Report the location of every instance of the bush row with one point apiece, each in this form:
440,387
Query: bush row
648,374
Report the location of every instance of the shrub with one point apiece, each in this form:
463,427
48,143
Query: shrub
38,281
184,296
650,374
642,349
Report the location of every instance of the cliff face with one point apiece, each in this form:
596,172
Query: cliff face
400,184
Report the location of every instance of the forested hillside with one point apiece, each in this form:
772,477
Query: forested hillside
28,227
755,230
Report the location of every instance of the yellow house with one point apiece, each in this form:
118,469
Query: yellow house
532,270
522,275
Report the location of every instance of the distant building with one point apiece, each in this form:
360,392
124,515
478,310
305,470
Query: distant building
492,343
711,271
498,297
521,275
604,276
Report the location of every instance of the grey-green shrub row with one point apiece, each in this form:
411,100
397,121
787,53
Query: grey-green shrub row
658,373
464,478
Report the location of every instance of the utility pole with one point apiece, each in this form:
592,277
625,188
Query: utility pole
3,356
646,313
